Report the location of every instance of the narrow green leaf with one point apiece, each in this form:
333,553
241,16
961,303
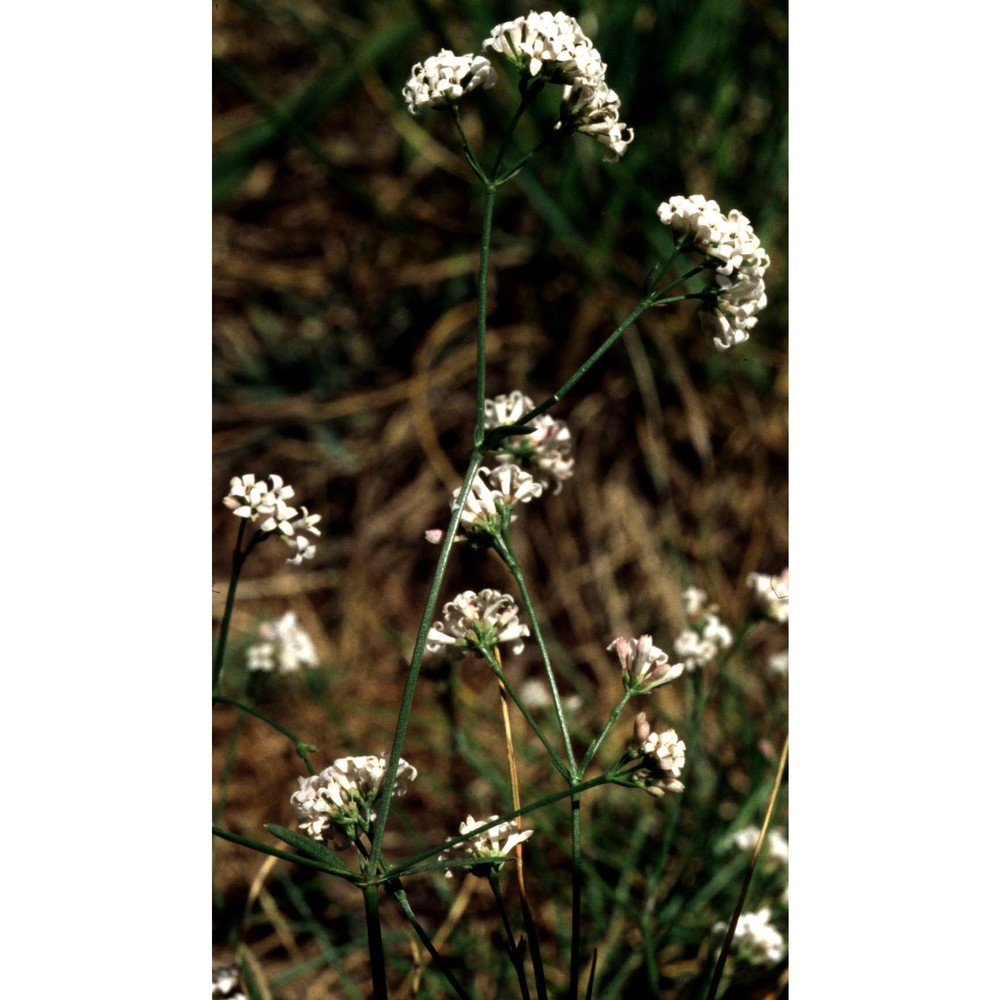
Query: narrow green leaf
311,848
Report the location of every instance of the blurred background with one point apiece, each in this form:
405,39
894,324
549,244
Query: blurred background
345,249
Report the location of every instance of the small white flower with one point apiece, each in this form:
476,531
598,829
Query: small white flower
493,495
284,644
778,663
446,77
775,848
736,256
644,666
303,549
492,846
663,757
478,621
546,452
706,636
756,940
552,42
770,594
593,109
341,798
226,983
252,499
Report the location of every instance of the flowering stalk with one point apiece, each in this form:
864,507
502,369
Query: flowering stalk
720,963
514,950
420,645
239,558
612,719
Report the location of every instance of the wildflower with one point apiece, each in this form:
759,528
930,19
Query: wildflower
545,452
770,594
478,622
775,847
705,636
535,693
644,666
554,46
733,251
304,549
778,663
756,940
252,499
339,801
551,43
446,77
593,108
492,845
226,983
494,493
663,756
284,644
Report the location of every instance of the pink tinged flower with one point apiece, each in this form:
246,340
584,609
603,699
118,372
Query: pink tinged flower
546,452
434,535
478,621
342,797
644,666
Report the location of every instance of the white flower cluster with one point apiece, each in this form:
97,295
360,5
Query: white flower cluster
492,845
478,621
706,636
756,940
284,644
445,78
770,594
663,758
546,451
492,492
341,797
775,847
554,44
735,253
226,983
254,499
644,666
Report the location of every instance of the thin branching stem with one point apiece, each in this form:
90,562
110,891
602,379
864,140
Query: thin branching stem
234,578
302,748
727,943
612,719
506,552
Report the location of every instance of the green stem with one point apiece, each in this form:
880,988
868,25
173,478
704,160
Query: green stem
408,867
380,990
561,392
404,904
302,748
576,912
516,953
495,667
720,963
506,552
227,768
592,750
419,648
234,578
484,259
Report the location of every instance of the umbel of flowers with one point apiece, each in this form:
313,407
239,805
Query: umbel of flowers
730,248
478,622
550,47
705,636
338,804
546,453
491,846
254,500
